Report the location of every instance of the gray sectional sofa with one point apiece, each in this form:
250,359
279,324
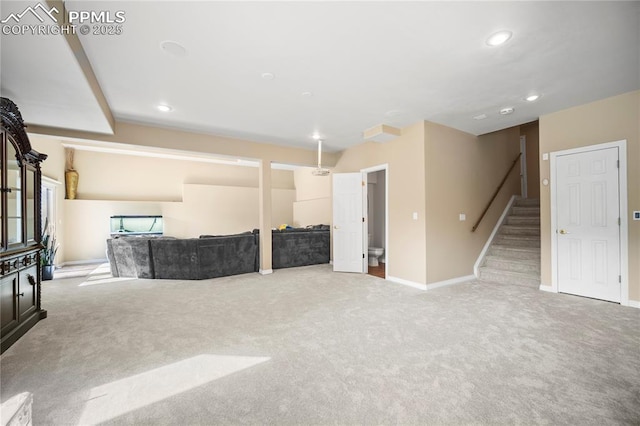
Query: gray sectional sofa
213,256
298,246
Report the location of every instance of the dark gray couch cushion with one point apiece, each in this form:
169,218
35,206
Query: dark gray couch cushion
297,247
132,257
175,259
300,248
228,255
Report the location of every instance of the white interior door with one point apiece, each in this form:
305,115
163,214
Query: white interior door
348,235
588,224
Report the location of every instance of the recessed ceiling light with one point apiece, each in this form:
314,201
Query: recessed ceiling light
532,98
268,76
506,111
499,38
316,136
173,48
307,94
393,113
480,117
164,108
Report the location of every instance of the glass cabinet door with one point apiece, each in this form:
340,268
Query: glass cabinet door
30,193
14,197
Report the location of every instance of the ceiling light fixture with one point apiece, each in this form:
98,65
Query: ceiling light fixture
316,136
164,108
499,38
307,94
393,113
319,171
506,111
268,76
173,48
480,117
532,98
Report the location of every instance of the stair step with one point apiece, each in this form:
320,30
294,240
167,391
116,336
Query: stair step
523,220
529,266
518,240
534,202
525,211
520,230
514,252
509,277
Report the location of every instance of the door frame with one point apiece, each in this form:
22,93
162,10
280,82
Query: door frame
622,202
365,225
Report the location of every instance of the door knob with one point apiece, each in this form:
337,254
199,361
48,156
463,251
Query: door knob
564,231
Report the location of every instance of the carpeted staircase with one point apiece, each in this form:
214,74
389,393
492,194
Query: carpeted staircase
514,254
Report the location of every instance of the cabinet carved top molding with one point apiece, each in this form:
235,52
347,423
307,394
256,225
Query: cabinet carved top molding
13,123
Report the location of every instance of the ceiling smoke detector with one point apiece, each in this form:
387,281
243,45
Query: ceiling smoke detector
319,171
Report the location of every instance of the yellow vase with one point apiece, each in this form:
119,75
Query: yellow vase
71,181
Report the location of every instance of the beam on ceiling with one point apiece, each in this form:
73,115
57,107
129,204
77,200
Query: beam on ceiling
83,61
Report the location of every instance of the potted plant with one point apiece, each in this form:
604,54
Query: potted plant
48,253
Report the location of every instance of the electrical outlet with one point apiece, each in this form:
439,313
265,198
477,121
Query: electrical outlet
636,215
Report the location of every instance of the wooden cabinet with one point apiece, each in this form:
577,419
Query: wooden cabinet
20,225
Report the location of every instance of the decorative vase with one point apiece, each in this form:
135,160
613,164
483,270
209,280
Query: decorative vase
71,181
47,272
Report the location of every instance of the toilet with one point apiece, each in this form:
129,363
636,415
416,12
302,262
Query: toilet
374,253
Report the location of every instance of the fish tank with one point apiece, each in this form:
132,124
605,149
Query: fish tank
136,225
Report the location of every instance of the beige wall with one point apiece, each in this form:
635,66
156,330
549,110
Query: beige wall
206,209
406,178
53,168
105,176
194,197
607,120
462,172
531,132
438,173
313,198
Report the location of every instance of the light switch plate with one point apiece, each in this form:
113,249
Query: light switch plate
545,156
415,215
463,217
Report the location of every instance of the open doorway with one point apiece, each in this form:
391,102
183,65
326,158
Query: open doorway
377,224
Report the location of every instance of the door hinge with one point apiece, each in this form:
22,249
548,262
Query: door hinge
618,163
363,255
363,219
619,222
619,278
362,183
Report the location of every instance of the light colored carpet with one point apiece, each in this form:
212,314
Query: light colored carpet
309,346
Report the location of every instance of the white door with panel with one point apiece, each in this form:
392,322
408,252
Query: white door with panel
588,224
348,234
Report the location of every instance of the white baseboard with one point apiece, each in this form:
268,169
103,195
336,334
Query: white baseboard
634,304
407,282
81,262
547,288
452,281
265,271
433,285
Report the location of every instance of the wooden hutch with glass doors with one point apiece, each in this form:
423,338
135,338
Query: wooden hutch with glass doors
20,246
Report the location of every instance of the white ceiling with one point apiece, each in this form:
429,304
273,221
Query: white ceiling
366,63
